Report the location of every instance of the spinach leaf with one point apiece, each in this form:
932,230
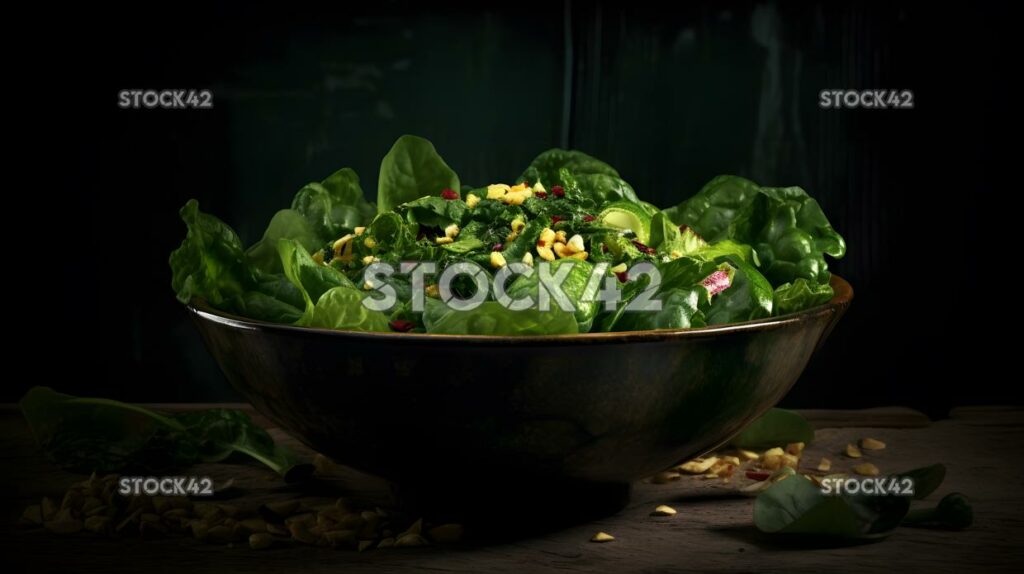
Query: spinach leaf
491,318
210,263
411,170
103,435
434,211
926,479
342,308
799,295
263,307
574,287
598,181
333,207
785,226
680,309
777,427
748,297
286,224
311,278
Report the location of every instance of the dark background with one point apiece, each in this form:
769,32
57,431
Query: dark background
670,96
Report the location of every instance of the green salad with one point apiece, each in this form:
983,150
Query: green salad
567,247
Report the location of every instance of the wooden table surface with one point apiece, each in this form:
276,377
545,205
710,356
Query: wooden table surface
713,531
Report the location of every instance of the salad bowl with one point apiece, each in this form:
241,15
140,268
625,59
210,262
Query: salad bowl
437,412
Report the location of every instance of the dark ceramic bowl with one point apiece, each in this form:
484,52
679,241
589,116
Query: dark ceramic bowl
591,408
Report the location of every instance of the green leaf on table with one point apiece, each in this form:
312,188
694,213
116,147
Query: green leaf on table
777,427
104,435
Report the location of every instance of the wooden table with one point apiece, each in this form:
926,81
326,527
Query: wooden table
982,448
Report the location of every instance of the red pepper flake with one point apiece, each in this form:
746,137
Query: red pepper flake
556,218
758,476
449,194
401,325
497,247
541,194
623,276
717,282
557,191
588,218
643,248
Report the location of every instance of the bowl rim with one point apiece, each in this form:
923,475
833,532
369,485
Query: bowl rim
841,298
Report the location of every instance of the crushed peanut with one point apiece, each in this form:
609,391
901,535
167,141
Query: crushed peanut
697,465
444,240
472,200
497,260
825,465
451,231
602,537
528,259
866,469
852,451
664,510
497,190
871,444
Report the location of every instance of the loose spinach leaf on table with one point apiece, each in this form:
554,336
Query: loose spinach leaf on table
411,170
103,435
777,427
796,506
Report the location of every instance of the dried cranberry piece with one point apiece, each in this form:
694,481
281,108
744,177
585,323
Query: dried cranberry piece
556,218
643,248
497,247
588,218
623,276
449,194
401,325
557,191
541,194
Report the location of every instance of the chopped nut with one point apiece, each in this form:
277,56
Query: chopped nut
528,259
497,260
747,454
364,544
97,524
545,253
497,190
410,540
451,231
300,531
518,225
560,236
871,444
795,448
432,290
386,542
369,259
582,256
47,508
575,244
852,451
278,511
516,197
664,510
337,538
443,240
620,268
538,187
370,243
260,541
416,528
561,250
602,537
665,477
729,460
547,238
359,231
825,465
698,466
472,200
866,469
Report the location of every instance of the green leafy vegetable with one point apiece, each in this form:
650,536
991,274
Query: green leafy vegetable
776,427
954,511
734,252
411,170
491,318
103,435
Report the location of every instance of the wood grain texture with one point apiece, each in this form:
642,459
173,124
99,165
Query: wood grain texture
711,532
